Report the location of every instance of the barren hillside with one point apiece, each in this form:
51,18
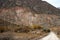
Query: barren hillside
29,16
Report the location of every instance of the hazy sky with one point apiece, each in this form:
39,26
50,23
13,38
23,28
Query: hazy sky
56,3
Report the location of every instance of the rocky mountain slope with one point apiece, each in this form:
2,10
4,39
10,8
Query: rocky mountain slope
29,12
27,15
39,5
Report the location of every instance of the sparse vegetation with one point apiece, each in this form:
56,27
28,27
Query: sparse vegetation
36,26
46,30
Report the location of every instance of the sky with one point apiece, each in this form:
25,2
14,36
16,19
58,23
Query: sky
55,3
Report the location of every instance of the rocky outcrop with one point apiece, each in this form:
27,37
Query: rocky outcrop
26,16
29,12
38,6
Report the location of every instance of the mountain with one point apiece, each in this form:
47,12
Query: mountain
26,16
38,6
59,7
31,13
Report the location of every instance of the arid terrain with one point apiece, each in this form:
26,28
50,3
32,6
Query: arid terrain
28,19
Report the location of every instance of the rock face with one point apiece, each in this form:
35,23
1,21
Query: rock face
21,15
29,12
39,5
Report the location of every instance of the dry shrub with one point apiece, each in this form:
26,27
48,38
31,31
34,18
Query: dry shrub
46,29
24,29
36,27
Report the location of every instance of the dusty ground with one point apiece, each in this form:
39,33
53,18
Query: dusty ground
31,35
34,35
56,30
